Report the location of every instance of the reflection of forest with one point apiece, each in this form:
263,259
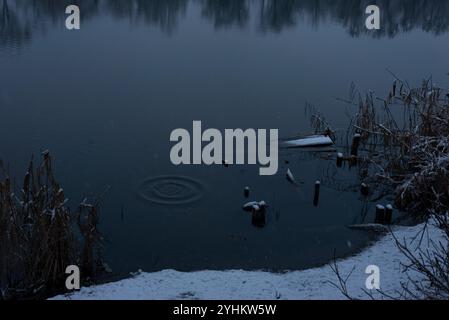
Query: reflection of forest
21,18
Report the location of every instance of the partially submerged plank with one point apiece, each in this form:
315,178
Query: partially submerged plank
312,141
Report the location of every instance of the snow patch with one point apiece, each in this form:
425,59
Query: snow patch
313,284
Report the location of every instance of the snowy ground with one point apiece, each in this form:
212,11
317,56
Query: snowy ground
235,284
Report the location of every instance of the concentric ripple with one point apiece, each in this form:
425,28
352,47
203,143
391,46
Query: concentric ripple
171,190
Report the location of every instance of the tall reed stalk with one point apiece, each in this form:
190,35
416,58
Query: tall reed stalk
40,237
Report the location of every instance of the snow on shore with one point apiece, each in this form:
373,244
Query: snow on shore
307,284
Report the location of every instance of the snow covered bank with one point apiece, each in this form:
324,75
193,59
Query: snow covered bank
306,284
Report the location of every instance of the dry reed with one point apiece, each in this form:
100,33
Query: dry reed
39,236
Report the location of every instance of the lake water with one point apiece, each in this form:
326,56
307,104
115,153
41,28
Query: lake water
105,99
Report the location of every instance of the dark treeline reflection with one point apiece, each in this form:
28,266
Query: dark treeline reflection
225,13
20,19
161,13
397,16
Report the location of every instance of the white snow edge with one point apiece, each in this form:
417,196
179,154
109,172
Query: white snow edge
311,284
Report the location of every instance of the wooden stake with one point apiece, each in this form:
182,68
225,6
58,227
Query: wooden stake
246,192
389,214
355,144
316,197
339,160
364,189
380,214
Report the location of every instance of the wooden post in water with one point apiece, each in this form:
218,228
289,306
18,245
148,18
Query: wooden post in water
364,189
389,214
352,161
380,214
246,192
355,144
258,218
339,160
316,197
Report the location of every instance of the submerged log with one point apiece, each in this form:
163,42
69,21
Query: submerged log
254,205
312,141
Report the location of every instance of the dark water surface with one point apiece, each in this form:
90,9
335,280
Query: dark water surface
105,99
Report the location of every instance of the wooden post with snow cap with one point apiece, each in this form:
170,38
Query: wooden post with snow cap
389,214
380,214
339,160
316,197
258,214
355,144
246,192
364,189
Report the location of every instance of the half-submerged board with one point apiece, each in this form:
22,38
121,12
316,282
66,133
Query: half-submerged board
309,142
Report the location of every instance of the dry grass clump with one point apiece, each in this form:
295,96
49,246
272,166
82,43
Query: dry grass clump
405,150
406,144
411,156
39,236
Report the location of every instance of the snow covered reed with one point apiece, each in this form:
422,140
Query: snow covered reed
405,151
405,145
39,237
